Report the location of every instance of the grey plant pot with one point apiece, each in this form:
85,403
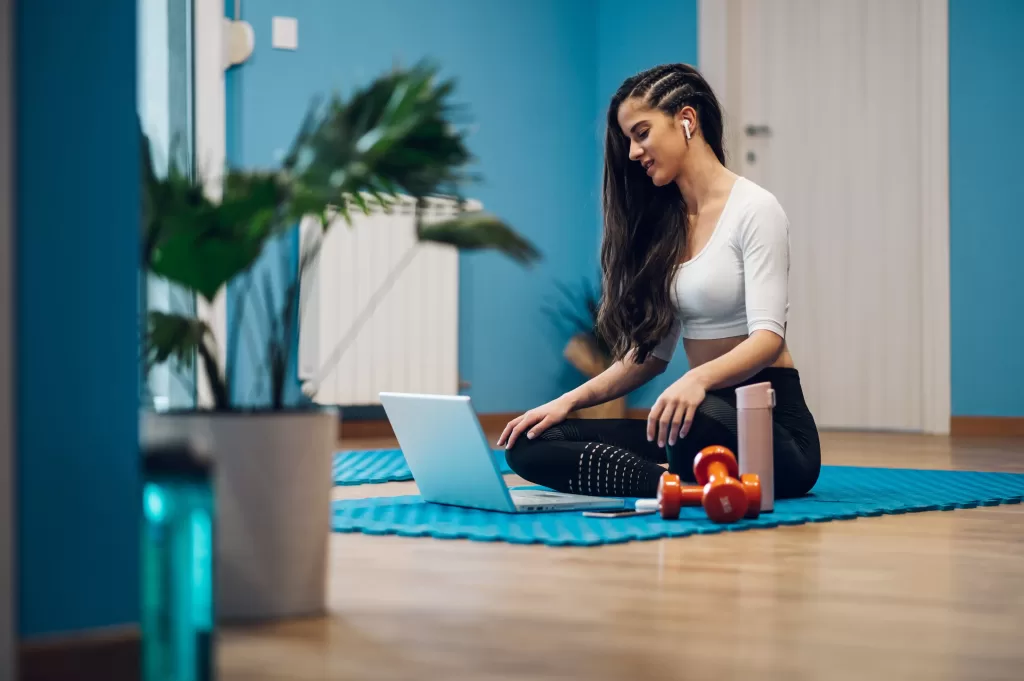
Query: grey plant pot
273,496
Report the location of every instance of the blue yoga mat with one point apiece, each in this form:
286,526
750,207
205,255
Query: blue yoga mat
369,466
842,493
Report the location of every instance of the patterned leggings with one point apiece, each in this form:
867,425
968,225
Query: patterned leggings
612,457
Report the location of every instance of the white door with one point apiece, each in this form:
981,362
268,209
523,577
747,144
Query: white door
831,108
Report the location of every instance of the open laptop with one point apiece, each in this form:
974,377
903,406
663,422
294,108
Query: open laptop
452,462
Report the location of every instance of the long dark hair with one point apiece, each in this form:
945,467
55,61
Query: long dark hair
645,226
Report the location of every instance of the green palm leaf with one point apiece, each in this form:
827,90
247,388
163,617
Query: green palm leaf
478,230
182,338
174,336
395,135
202,245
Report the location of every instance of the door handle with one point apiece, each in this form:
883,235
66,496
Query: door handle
758,131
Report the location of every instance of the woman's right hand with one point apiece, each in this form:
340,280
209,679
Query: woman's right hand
537,420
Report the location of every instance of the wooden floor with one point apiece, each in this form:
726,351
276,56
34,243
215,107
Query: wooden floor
928,596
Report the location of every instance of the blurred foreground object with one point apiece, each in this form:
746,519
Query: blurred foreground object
178,516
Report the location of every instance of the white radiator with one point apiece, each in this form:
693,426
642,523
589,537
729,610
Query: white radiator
379,310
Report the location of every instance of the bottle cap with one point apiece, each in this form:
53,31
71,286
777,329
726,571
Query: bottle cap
177,459
756,396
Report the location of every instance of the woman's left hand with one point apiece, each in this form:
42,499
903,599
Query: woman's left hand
673,412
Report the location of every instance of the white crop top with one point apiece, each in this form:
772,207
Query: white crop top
739,282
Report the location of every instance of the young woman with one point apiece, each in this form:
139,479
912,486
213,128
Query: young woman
689,250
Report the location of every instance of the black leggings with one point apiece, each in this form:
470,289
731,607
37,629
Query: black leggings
612,457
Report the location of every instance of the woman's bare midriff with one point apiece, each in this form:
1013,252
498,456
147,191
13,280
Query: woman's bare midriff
701,351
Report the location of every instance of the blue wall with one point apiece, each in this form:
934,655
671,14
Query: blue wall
668,34
77,383
525,68
986,146
631,40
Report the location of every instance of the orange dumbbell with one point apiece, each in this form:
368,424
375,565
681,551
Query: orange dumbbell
731,496
724,498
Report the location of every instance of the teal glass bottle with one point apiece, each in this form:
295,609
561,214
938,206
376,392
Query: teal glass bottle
178,619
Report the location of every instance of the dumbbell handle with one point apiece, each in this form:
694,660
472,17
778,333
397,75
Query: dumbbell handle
717,470
690,495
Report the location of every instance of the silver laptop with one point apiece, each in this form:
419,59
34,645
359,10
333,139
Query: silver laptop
452,461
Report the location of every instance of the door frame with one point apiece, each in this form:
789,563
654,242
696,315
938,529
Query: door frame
718,22
209,99
8,547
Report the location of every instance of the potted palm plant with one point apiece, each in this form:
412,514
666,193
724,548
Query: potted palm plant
394,137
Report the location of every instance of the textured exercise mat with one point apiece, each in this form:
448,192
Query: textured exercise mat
368,466
842,493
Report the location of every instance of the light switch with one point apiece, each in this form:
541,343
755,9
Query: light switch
285,33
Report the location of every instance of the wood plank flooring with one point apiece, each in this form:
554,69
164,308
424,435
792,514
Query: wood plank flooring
930,596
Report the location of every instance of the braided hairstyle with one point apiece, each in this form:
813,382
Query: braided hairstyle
645,226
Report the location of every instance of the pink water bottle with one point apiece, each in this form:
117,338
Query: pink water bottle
754,404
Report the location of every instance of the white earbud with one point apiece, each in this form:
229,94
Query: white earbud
686,126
